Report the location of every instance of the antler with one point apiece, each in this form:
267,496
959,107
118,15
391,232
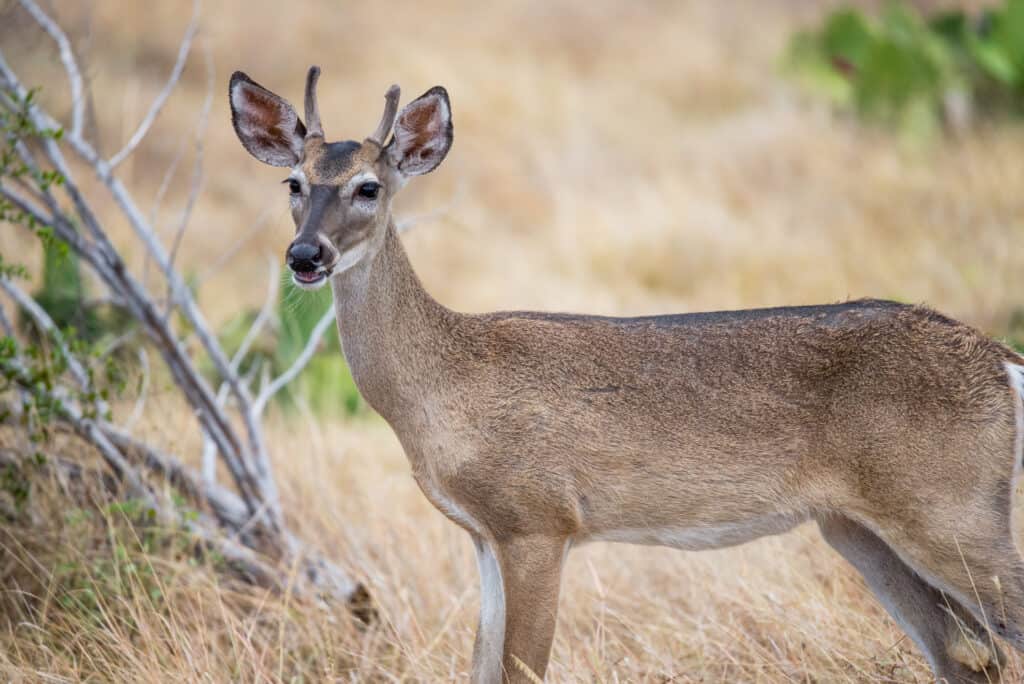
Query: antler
313,126
388,118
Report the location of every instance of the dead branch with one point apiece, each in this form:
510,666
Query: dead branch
293,371
67,57
244,522
165,92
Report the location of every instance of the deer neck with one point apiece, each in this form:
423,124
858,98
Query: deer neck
390,330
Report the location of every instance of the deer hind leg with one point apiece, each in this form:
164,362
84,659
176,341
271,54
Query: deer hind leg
981,568
954,643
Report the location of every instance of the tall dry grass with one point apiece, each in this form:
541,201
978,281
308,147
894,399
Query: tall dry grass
611,158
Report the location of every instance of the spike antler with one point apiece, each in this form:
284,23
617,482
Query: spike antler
313,126
388,118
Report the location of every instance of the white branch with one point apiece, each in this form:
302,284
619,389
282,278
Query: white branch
5,323
255,486
261,223
273,279
197,171
140,401
209,459
255,506
67,56
161,98
307,353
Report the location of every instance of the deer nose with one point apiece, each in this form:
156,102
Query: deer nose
305,256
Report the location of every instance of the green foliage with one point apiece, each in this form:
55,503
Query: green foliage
29,373
326,384
907,71
16,128
119,569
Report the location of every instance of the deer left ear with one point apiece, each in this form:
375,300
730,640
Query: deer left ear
265,123
423,134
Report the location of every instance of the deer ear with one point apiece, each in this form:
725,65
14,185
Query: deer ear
423,134
267,125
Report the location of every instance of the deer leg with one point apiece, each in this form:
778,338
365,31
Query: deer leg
953,641
530,574
490,631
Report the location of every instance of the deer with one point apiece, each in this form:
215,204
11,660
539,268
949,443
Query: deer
897,430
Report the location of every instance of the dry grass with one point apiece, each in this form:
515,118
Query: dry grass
609,158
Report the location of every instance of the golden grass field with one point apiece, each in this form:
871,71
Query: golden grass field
619,158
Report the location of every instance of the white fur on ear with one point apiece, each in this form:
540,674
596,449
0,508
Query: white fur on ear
266,124
423,134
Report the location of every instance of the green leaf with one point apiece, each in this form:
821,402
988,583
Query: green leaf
847,35
990,56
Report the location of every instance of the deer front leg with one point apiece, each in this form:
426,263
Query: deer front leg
528,570
490,630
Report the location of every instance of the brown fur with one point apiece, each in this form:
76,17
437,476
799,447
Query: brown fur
892,426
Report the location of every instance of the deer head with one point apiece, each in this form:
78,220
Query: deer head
340,192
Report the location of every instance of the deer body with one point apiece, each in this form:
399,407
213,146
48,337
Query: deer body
898,430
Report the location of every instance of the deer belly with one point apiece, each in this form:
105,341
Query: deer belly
699,537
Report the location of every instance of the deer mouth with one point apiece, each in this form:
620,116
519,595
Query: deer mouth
311,280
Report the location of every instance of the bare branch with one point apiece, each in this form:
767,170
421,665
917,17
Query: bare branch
104,258
258,485
307,353
67,57
5,323
254,512
197,171
209,462
434,214
161,98
261,223
273,280
230,509
24,206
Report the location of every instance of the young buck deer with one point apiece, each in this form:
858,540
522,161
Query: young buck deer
897,430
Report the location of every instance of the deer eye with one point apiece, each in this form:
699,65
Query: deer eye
369,190
294,186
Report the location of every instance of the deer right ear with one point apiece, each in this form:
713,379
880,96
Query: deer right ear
266,124
423,134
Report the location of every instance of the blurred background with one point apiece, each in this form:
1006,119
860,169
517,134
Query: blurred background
613,158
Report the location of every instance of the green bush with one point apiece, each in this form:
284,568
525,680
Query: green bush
912,72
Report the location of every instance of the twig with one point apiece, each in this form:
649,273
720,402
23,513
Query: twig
261,223
412,221
5,322
209,462
161,98
307,353
23,205
140,401
67,57
265,312
197,171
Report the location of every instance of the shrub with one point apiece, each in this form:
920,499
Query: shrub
912,72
